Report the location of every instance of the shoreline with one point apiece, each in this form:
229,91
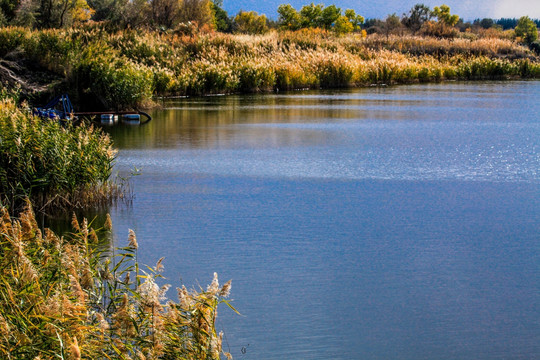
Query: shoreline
133,69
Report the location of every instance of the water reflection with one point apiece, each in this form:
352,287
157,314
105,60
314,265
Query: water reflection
260,120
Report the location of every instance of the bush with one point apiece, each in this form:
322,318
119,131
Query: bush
11,38
333,74
117,82
535,46
253,78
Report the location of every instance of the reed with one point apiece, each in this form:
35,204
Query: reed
53,165
72,297
125,69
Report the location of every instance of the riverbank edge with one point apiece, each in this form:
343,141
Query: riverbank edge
132,69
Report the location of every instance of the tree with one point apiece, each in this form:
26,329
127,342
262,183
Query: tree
418,15
507,23
329,16
249,22
485,23
311,15
343,25
3,19
355,20
443,15
289,18
526,30
390,25
26,13
221,18
197,11
52,13
165,13
107,10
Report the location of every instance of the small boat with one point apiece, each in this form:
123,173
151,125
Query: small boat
61,109
108,119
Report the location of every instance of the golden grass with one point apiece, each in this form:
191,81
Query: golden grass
128,67
72,297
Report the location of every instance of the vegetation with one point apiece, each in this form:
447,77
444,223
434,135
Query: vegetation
72,297
249,22
55,166
318,16
526,30
125,69
140,49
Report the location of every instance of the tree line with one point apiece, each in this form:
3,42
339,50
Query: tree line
209,15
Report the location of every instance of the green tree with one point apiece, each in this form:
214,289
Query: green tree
343,25
107,10
289,18
417,16
391,24
443,15
329,16
3,19
526,29
311,15
355,20
249,22
485,23
507,23
26,14
221,18
135,14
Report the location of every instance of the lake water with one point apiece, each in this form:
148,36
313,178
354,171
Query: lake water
379,223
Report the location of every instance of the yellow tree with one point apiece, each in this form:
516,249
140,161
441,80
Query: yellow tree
443,15
198,11
249,22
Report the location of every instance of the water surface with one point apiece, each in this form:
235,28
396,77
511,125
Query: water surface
380,223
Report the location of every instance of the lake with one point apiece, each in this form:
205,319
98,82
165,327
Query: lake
379,223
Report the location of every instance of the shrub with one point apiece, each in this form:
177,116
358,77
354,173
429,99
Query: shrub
11,38
254,78
119,83
535,46
334,73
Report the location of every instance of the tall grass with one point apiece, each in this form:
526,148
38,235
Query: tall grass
53,165
73,297
127,68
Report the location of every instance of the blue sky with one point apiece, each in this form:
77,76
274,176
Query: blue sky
467,9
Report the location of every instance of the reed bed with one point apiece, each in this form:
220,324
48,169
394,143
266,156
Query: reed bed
128,68
73,297
53,165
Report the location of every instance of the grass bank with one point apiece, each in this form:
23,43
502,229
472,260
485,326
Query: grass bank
129,68
73,297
